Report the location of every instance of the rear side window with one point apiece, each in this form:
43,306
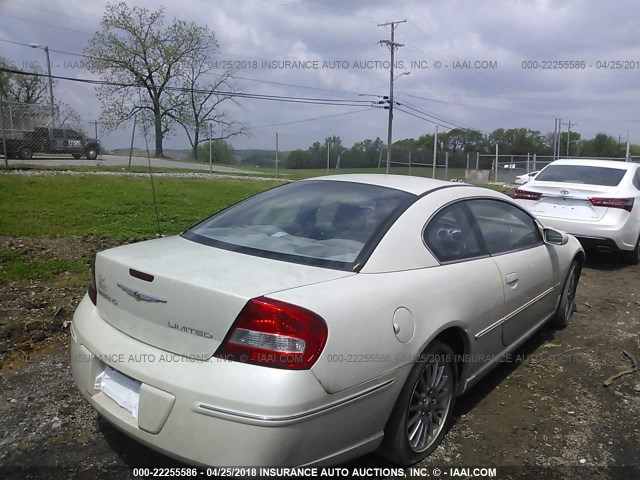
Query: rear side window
636,179
504,227
606,176
450,236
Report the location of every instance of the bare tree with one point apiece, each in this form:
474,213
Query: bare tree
68,117
200,105
140,59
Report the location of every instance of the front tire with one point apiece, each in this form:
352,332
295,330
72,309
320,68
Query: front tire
92,154
423,410
567,306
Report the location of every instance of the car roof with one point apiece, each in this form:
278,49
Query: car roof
596,163
410,184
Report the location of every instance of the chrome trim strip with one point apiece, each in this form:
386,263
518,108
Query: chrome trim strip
211,410
515,312
139,296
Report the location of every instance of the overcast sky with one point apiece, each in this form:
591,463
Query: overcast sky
496,36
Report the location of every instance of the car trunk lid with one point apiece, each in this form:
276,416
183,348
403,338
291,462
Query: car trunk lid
183,297
569,201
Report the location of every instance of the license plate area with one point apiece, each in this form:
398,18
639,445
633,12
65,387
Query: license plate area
123,390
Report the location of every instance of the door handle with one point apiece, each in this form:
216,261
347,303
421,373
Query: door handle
511,278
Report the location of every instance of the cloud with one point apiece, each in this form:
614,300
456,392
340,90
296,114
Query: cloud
253,33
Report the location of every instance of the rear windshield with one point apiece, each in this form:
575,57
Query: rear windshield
605,176
324,223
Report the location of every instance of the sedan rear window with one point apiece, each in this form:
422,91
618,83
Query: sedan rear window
586,174
324,223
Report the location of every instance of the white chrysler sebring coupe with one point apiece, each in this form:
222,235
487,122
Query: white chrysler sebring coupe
317,321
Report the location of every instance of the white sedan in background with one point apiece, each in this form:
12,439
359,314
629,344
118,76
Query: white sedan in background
598,201
318,321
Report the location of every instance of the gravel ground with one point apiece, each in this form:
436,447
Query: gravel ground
30,172
545,409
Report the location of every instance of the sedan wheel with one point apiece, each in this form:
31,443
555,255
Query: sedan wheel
421,414
568,301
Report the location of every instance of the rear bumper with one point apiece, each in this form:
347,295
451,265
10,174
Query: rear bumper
227,413
598,243
616,237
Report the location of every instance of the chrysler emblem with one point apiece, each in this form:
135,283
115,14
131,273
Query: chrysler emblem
139,296
564,191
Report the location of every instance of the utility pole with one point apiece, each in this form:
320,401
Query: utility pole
327,156
555,136
51,102
133,135
210,153
392,47
559,135
276,154
435,146
626,156
4,136
569,135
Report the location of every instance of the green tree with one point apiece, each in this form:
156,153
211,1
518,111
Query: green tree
141,58
221,152
299,159
18,88
602,145
517,141
574,144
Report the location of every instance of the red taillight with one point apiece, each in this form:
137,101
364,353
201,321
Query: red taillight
526,195
275,334
624,203
91,289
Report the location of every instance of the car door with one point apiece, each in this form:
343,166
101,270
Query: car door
529,268
57,140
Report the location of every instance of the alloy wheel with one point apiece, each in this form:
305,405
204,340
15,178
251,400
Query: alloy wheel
429,405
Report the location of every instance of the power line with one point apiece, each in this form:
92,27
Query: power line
422,118
257,80
282,98
15,17
435,117
52,12
309,119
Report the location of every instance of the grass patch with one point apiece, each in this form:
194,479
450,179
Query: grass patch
13,266
120,207
299,174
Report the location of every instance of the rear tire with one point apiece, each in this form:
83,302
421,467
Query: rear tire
633,257
423,410
567,306
26,153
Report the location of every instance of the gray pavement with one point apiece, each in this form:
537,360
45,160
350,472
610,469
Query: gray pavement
121,160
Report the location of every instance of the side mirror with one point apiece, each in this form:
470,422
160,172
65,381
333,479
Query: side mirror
554,237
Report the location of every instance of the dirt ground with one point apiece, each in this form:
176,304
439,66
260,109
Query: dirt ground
544,413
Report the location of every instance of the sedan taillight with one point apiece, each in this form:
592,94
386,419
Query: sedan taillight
275,334
91,289
624,203
526,195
